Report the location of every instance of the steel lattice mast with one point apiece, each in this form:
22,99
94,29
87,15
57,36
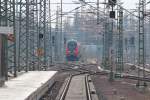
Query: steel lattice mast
32,34
119,53
42,32
50,33
23,36
141,41
3,22
106,44
56,35
11,58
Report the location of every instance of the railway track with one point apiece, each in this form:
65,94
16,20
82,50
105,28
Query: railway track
72,91
106,72
62,97
85,71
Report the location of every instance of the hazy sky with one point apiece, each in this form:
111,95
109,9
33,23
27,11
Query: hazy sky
128,4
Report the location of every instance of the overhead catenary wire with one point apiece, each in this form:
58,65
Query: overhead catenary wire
95,8
119,6
68,12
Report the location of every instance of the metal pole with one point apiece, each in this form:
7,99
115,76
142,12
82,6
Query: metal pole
119,53
14,32
44,34
111,78
98,12
3,43
51,51
11,46
27,35
61,36
56,36
23,35
19,39
38,39
141,42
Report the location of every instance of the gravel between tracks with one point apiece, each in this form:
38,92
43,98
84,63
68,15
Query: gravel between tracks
120,89
52,93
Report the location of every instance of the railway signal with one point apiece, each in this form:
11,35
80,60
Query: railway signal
41,36
112,14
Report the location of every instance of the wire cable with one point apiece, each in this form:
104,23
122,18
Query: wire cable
69,12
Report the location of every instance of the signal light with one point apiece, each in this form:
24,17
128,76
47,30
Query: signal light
65,40
112,14
53,39
41,36
132,40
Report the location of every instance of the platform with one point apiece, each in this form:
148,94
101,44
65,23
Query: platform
29,86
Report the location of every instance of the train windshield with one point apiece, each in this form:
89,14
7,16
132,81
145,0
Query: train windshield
72,45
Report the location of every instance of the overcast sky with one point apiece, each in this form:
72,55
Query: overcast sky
130,4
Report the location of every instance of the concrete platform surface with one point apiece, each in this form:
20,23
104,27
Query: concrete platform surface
29,86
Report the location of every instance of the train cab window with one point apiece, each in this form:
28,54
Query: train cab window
72,45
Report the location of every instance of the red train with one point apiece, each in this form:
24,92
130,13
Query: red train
72,51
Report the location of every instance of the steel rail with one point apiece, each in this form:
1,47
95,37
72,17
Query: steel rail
122,75
71,69
106,72
62,97
65,90
88,94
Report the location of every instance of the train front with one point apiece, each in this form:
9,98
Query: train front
72,51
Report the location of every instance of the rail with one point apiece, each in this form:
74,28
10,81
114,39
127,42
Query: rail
106,72
87,87
62,97
88,94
